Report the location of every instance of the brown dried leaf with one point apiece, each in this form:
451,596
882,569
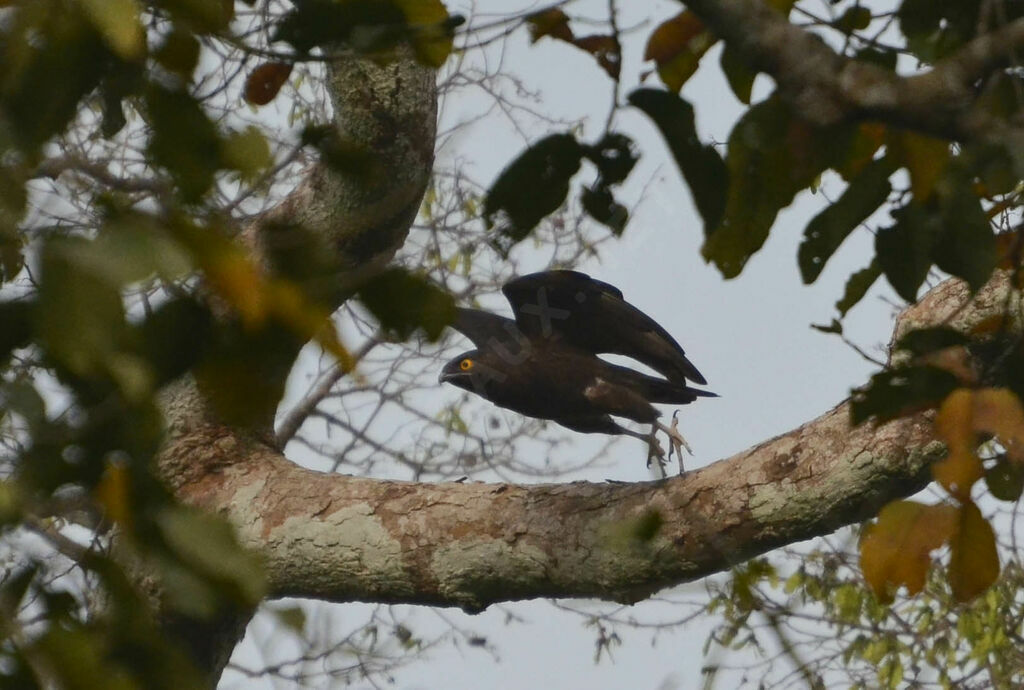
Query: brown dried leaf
605,49
553,23
265,81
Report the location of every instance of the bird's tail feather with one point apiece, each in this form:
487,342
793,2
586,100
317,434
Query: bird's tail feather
658,390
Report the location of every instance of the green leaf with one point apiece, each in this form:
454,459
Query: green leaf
372,27
857,285
46,44
132,247
904,250
826,231
247,152
118,23
925,158
601,206
532,186
898,392
925,340
772,156
403,302
883,58
184,140
179,53
16,582
935,28
21,397
1005,479
207,544
202,16
738,74
79,316
79,660
366,26
614,157
175,337
225,371
345,156
292,617
700,164
967,246
15,326
854,19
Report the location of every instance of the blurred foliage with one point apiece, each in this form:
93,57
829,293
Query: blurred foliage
97,317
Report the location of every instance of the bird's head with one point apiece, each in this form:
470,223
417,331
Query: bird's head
460,371
471,370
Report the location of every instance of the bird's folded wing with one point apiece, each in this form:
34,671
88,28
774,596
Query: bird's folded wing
592,315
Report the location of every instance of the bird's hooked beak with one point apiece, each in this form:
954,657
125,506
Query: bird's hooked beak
451,372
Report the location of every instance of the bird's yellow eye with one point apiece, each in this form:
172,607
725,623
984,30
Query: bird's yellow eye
466,364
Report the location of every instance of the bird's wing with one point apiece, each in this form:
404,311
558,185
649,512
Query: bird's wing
486,329
592,315
652,388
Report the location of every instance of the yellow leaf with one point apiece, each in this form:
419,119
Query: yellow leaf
896,549
961,467
118,23
924,157
974,561
235,277
290,306
431,34
113,492
998,411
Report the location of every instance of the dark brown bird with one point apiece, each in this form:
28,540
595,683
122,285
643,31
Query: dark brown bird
545,365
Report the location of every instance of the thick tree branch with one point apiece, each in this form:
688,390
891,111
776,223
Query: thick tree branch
343,538
827,88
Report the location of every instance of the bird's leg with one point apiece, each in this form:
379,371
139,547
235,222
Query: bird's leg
676,440
654,450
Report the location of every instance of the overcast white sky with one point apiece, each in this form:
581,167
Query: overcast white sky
751,338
